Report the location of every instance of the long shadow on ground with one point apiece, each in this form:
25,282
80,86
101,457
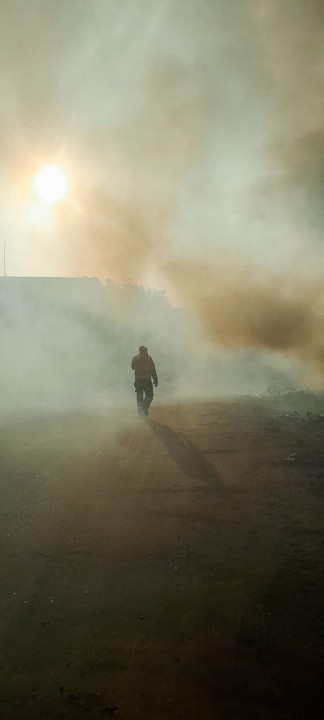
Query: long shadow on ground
187,456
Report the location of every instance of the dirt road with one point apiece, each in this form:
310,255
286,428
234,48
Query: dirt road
163,569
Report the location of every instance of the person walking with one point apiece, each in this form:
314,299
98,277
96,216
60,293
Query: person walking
144,369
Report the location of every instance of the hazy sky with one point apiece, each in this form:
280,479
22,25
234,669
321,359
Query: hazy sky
192,134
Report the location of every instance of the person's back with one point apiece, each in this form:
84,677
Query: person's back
143,366
144,369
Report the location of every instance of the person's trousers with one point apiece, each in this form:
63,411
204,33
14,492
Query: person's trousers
144,393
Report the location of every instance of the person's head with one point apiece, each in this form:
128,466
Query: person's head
142,349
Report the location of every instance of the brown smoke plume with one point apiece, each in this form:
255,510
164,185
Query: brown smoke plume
239,305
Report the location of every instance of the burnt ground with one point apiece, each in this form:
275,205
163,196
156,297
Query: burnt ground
163,569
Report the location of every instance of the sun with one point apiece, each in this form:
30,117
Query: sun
50,184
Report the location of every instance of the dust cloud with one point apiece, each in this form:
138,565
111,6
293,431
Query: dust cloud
192,133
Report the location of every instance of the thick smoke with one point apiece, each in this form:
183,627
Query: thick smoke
241,306
193,135
67,344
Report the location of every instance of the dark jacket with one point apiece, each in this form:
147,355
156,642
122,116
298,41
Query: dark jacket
144,367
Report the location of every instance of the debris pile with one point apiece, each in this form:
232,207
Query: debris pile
289,405
277,391
308,417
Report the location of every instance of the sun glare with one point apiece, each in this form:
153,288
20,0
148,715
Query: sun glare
50,184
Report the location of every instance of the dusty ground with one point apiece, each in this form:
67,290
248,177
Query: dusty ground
168,569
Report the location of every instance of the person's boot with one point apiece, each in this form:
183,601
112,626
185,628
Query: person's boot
146,405
140,409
